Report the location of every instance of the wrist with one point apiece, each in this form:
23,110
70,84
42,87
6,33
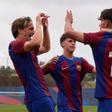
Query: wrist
68,21
45,28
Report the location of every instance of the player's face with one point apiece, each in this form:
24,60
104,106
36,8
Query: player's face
28,31
69,45
103,24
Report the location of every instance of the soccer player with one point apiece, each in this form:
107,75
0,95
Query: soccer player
101,45
23,51
68,72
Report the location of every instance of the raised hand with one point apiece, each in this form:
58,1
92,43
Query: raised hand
39,17
69,16
45,21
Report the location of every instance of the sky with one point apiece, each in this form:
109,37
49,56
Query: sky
85,13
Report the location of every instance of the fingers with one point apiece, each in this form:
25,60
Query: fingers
45,21
69,12
69,16
45,18
53,60
38,17
42,19
41,14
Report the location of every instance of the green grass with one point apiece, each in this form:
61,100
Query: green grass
12,108
21,108
89,109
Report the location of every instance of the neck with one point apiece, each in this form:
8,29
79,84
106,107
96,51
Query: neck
68,55
21,36
106,29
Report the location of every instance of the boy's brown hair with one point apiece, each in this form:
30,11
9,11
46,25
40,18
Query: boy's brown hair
19,23
106,14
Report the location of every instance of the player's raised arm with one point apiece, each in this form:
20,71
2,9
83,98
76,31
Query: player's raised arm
45,45
37,36
68,29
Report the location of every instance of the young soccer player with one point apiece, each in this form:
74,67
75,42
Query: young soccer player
23,52
68,72
101,45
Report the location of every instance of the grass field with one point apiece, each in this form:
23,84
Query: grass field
21,108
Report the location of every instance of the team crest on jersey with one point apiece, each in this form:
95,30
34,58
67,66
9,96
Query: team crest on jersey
78,67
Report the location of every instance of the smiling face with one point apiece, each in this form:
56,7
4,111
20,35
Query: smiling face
28,31
23,27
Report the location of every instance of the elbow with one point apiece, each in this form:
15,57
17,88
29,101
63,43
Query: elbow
47,49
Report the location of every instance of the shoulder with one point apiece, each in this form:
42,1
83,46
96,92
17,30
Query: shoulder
17,42
78,58
93,38
11,43
17,45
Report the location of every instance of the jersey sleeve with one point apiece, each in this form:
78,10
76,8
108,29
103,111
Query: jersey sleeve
86,67
50,69
93,38
18,46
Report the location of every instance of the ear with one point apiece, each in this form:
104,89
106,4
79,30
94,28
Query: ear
107,23
19,30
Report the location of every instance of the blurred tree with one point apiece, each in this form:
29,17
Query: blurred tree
89,80
6,71
50,81
89,77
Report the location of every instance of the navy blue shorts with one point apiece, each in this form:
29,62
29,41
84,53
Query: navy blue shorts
44,104
105,105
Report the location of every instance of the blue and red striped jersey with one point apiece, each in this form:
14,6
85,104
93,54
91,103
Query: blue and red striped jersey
30,73
101,44
68,74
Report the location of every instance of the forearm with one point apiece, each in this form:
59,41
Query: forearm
46,39
44,66
37,37
68,27
78,36
35,41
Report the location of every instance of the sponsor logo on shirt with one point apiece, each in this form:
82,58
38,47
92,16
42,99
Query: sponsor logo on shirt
64,68
78,67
